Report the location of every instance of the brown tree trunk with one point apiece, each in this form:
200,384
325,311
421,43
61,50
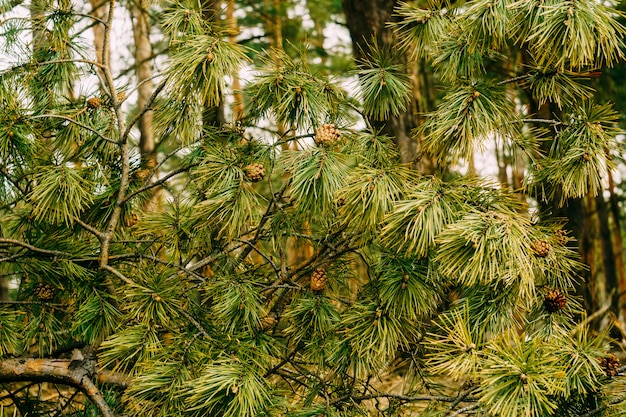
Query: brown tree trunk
367,22
233,30
143,71
99,9
212,115
618,250
588,222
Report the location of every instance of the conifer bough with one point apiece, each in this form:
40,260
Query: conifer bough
196,282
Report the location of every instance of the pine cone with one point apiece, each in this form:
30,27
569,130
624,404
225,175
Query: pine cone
44,291
560,236
326,135
94,102
130,219
610,364
318,280
254,172
541,248
554,301
142,173
267,323
121,96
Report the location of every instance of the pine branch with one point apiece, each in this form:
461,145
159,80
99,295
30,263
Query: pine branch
195,322
89,228
74,60
548,121
262,254
44,303
143,111
161,181
465,409
63,371
118,274
264,219
69,119
36,249
514,79
14,182
401,397
462,397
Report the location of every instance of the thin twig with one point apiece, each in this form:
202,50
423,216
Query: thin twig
514,79
89,228
548,121
69,119
193,321
118,274
464,410
36,249
159,182
65,61
143,111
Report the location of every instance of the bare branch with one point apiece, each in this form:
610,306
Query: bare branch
89,228
69,119
36,249
63,371
159,182
118,274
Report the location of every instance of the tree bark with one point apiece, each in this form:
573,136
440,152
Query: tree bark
233,30
143,71
212,116
60,371
99,9
367,21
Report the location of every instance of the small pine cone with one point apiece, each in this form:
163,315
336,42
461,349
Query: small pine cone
121,96
610,364
94,102
318,280
326,135
130,219
254,172
541,248
44,291
554,301
142,173
267,323
560,236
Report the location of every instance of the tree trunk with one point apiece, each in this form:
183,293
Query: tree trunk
213,116
367,21
143,71
99,9
233,30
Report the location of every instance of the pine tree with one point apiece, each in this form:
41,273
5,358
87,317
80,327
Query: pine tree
192,307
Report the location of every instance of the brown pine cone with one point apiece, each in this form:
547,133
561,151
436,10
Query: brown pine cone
610,364
44,291
318,280
267,323
541,248
130,219
560,236
327,135
554,301
254,172
94,102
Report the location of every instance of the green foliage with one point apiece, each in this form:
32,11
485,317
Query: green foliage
287,263
385,87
